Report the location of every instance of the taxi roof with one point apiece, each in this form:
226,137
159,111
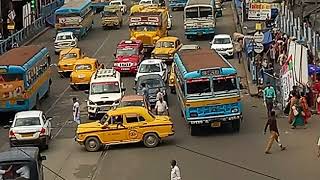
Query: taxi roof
168,38
86,60
132,98
128,109
70,50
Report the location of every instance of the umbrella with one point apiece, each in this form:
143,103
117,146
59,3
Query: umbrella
312,69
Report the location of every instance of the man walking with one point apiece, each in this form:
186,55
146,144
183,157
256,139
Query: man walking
161,107
76,110
274,132
175,171
238,48
145,91
269,96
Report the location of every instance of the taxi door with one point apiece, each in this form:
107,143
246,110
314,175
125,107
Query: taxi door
116,131
134,124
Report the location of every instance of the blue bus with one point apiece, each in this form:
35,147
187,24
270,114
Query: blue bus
75,16
25,78
177,4
208,91
199,18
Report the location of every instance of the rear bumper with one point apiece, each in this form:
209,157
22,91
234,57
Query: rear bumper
43,140
199,32
207,122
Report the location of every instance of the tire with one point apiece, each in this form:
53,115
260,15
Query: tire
48,91
194,130
74,87
236,125
38,104
92,144
151,140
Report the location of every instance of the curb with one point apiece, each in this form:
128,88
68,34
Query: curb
36,36
245,61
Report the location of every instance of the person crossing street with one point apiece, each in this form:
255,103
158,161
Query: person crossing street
76,110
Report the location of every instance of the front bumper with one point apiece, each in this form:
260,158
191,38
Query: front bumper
101,109
110,23
165,58
132,69
42,140
79,83
199,31
225,52
209,121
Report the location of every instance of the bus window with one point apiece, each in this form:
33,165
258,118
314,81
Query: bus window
192,12
198,86
205,11
224,85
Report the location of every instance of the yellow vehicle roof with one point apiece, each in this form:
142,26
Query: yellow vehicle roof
168,38
70,50
111,8
150,8
86,60
128,109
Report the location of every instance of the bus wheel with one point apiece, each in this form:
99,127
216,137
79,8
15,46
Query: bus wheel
48,91
37,106
194,130
236,125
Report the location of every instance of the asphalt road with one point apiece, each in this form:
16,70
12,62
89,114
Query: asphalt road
217,154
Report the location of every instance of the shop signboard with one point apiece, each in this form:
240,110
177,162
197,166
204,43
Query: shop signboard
259,11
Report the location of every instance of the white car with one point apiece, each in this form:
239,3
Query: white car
146,2
223,44
106,91
65,40
121,4
169,21
152,66
30,128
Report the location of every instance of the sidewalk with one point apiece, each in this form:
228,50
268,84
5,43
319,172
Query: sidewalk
252,88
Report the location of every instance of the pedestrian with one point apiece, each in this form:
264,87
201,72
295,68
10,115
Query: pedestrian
159,94
306,114
238,46
145,91
76,110
297,113
269,96
272,52
161,107
274,132
175,171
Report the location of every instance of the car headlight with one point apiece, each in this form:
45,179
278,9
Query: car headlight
234,110
116,102
91,103
116,64
73,43
229,48
164,92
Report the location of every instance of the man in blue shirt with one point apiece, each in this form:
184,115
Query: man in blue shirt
269,96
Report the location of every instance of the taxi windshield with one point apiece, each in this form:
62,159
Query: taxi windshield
126,52
109,13
80,67
149,68
165,44
105,87
69,55
145,28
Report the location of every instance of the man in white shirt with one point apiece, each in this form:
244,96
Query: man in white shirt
76,110
159,94
161,107
3,172
175,171
24,172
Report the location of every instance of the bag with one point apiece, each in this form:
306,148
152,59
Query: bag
295,111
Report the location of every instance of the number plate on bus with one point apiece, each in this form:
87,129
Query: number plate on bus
216,124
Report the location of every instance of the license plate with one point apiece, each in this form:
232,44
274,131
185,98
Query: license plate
27,135
125,69
216,124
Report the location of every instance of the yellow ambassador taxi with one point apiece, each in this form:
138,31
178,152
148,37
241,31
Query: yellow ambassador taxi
166,47
125,125
67,59
82,71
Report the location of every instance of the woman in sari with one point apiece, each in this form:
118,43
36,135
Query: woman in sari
305,108
297,113
293,100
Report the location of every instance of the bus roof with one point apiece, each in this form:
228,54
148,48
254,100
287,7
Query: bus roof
73,6
202,2
19,56
19,154
206,58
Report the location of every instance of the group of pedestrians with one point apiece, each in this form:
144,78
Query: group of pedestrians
161,107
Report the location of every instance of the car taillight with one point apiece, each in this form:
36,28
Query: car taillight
42,131
11,134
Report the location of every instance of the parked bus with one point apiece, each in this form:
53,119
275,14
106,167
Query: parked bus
208,91
25,78
76,16
199,18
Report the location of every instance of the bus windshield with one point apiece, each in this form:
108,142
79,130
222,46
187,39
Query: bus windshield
220,85
195,86
205,11
192,12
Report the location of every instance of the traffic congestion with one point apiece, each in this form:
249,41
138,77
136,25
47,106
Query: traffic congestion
128,76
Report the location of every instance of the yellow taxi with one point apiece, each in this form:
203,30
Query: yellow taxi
125,125
67,58
82,71
166,47
172,79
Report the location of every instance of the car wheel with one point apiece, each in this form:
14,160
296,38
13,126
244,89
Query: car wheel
151,140
194,130
236,125
92,144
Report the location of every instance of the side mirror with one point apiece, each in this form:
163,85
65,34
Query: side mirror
43,158
123,89
6,127
86,91
210,42
49,118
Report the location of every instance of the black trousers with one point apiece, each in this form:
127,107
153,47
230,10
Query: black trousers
269,103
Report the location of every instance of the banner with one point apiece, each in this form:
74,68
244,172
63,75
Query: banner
259,11
11,89
65,21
